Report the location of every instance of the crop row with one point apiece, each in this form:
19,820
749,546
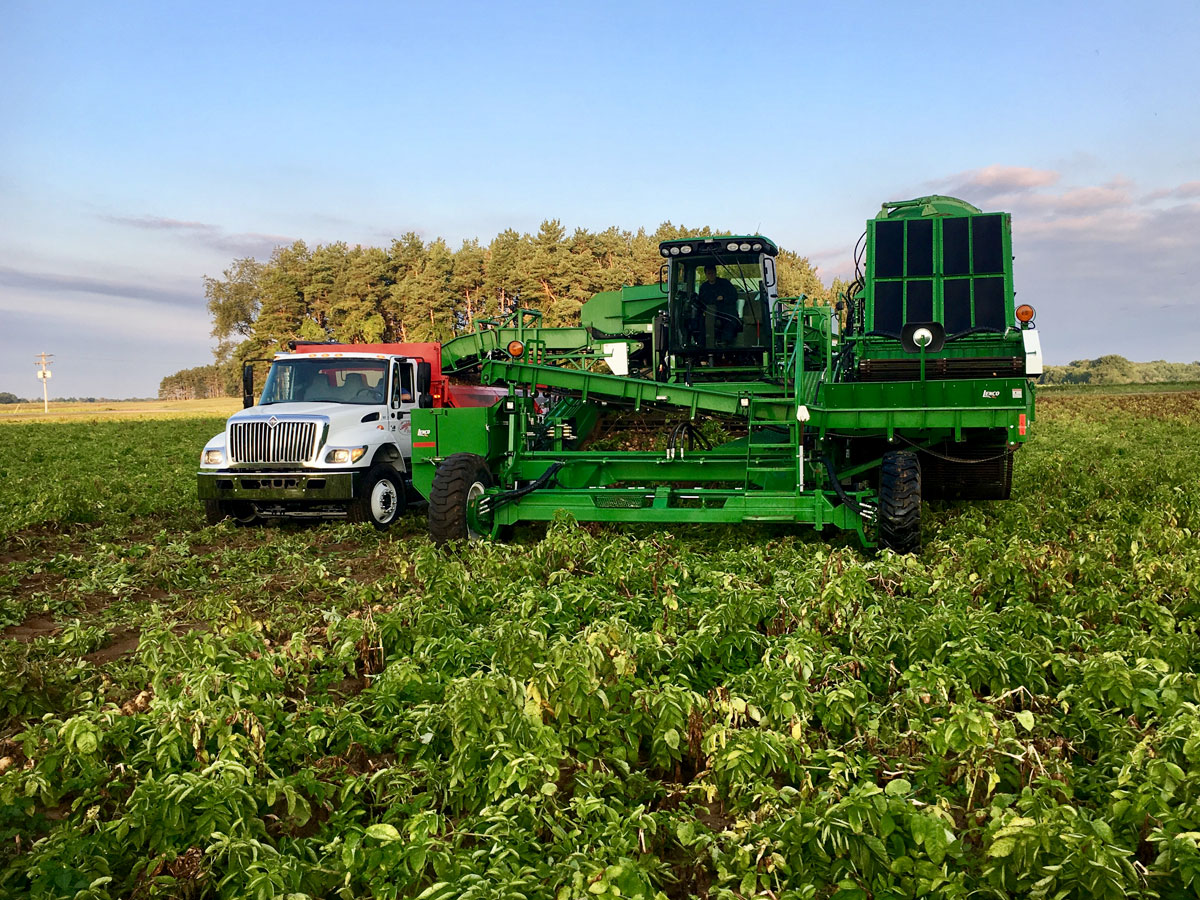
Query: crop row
322,711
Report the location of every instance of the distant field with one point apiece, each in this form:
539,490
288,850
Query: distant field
226,406
1153,388
119,409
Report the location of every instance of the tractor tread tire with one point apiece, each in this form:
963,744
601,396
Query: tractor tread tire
448,495
900,502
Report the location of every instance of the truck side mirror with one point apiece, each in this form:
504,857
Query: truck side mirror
424,378
247,386
662,278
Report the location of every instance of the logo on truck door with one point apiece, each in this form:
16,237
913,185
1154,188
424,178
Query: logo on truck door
422,432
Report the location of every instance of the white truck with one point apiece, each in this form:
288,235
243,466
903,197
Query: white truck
330,435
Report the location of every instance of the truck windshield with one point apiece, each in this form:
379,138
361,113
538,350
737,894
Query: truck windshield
362,381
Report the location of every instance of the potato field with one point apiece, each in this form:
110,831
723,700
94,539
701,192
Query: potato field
326,711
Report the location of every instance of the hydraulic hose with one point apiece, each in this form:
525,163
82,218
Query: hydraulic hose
864,511
489,504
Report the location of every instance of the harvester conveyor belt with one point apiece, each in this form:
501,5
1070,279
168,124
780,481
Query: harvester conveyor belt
863,407
641,391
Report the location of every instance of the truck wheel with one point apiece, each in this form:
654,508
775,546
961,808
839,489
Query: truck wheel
213,514
900,501
381,499
243,514
459,479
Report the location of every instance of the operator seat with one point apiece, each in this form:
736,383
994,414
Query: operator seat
355,382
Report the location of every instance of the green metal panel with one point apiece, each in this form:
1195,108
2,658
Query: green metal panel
933,205
615,312
683,505
437,433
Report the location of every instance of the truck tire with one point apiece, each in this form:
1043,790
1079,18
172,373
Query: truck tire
900,501
459,479
242,513
213,513
380,501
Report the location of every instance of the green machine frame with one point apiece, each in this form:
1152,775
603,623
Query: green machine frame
829,417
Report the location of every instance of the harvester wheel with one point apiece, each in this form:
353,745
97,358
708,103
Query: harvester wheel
381,500
900,502
459,479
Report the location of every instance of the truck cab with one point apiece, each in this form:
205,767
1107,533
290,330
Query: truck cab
329,437
722,293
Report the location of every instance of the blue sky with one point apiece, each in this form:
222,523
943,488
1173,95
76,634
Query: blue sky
146,145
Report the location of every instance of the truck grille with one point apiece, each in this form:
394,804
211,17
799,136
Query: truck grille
284,442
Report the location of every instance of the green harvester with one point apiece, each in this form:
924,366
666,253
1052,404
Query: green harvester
752,407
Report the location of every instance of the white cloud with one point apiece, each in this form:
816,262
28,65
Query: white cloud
214,236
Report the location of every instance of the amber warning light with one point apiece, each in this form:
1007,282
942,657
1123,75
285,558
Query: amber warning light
1025,313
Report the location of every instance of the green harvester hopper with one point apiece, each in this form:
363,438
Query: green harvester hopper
751,407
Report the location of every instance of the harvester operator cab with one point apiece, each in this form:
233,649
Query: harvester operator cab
722,293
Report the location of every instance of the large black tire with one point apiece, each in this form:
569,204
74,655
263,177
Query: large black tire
380,500
900,502
459,479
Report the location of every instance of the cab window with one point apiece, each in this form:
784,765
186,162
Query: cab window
719,306
402,383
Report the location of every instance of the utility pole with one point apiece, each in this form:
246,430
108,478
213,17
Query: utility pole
43,374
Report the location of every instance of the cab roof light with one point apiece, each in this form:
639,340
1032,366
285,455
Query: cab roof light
1025,313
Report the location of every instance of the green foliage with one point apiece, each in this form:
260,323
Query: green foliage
1112,369
199,383
325,711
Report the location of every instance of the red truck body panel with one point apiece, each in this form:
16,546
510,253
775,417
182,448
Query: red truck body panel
443,391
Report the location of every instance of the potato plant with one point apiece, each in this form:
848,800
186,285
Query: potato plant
316,710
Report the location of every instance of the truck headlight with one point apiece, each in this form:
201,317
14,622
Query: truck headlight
345,455
212,458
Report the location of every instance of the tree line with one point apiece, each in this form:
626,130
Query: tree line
200,383
1113,369
415,290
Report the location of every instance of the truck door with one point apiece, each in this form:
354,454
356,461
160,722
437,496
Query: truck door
400,406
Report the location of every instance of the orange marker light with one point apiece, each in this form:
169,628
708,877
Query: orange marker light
1025,313
515,348
1021,424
